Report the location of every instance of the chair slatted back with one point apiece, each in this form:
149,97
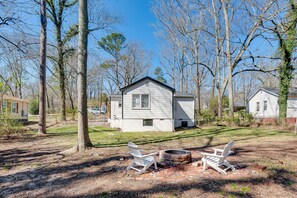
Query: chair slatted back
226,151
136,153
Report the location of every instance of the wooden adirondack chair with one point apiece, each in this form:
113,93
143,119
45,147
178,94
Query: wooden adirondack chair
144,161
218,159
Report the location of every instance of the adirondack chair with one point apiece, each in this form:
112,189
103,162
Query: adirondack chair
218,159
140,160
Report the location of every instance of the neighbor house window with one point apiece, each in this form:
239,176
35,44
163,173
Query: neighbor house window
148,122
265,105
140,101
4,106
14,107
258,106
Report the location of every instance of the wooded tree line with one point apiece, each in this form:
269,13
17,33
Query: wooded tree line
20,53
208,48
223,47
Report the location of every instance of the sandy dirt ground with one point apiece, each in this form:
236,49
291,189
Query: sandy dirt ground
34,167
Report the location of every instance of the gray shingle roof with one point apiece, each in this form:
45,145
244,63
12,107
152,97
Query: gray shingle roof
275,91
181,94
292,91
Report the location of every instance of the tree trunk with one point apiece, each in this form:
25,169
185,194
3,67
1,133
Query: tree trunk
61,76
229,59
71,104
42,72
83,135
48,103
217,76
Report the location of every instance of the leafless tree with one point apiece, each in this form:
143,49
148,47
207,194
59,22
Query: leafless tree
42,71
83,135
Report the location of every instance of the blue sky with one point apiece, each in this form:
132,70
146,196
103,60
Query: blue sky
136,24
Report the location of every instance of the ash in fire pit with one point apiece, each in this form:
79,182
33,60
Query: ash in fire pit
175,157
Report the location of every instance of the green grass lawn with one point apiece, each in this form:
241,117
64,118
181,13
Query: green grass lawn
106,137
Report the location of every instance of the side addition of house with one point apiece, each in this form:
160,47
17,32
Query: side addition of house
149,105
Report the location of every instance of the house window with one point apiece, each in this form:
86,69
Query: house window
145,101
4,106
140,101
265,105
148,122
14,107
258,106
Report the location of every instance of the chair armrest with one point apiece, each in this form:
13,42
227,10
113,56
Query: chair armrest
216,149
152,154
212,155
221,150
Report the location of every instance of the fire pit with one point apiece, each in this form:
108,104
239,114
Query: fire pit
175,157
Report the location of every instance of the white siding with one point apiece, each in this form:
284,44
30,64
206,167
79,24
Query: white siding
160,101
272,105
136,125
184,110
292,108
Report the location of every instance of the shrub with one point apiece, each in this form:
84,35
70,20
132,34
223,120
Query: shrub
213,104
9,126
206,116
34,107
241,118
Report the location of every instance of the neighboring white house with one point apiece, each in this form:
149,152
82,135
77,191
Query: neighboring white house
149,105
264,103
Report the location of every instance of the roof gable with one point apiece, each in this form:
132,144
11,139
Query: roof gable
12,98
275,92
151,79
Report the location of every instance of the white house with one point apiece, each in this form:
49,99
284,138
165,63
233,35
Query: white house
149,105
15,107
264,103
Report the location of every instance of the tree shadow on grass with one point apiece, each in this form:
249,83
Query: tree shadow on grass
209,134
218,187
158,139
48,178
11,158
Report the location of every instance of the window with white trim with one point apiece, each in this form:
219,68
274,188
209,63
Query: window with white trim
4,106
14,107
140,101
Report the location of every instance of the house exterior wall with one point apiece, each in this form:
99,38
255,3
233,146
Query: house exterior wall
272,105
292,108
136,125
160,108
184,110
159,116
160,101
21,110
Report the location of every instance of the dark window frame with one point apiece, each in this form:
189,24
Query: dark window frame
265,105
257,106
148,122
